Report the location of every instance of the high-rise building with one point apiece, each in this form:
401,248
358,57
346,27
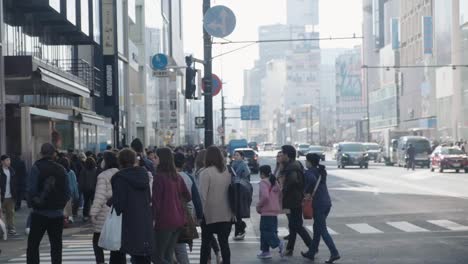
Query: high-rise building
302,12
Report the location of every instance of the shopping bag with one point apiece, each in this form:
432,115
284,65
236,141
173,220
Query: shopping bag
3,229
111,233
307,209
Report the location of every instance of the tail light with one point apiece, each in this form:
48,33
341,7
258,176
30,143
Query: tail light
255,157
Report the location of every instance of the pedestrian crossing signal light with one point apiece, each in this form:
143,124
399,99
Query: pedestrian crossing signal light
190,79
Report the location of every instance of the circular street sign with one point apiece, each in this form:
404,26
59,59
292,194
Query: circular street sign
216,85
220,130
200,121
159,61
219,21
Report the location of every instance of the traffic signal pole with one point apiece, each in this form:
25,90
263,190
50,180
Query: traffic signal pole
207,80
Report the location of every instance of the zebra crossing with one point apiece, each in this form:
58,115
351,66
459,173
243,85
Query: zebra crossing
78,249
442,225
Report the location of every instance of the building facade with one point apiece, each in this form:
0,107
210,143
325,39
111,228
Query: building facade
53,76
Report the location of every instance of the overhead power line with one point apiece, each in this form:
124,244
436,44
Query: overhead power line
286,40
454,66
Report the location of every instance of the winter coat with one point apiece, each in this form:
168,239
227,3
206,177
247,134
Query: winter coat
102,194
73,185
195,205
87,180
168,194
241,169
321,198
269,198
214,193
131,198
20,171
13,183
293,186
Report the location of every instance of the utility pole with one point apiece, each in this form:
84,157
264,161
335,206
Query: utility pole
207,80
223,121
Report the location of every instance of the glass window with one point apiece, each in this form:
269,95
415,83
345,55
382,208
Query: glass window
120,27
55,4
96,21
85,16
71,11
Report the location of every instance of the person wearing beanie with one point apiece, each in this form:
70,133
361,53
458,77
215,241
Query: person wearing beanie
8,187
293,194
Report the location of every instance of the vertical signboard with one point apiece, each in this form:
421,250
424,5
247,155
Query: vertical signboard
108,27
395,27
428,34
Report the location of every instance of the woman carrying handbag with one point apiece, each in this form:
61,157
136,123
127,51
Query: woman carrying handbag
317,190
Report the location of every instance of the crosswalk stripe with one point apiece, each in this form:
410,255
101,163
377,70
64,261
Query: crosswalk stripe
283,231
407,227
330,231
449,225
364,228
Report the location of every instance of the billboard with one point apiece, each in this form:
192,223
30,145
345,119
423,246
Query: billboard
348,74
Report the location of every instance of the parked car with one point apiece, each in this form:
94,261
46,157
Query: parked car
302,149
352,154
374,151
449,158
251,158
319,150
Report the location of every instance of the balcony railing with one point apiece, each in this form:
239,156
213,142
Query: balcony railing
77,70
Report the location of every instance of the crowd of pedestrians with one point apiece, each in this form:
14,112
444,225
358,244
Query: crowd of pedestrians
162,195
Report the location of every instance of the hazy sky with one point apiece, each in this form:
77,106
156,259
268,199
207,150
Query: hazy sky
338,18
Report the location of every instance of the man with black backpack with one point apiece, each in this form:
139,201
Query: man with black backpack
293,194
48,192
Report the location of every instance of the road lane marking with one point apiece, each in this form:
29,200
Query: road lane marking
407,227
449,225
330,231
364,228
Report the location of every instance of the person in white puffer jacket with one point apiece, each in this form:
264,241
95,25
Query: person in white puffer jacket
100,209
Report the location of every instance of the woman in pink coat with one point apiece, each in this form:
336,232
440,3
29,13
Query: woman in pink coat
269,207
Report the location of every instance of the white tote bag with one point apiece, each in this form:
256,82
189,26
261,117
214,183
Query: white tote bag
111,233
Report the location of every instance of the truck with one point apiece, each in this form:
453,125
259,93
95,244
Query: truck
390,145
235,144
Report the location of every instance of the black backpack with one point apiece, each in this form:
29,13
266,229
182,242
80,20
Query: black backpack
240,193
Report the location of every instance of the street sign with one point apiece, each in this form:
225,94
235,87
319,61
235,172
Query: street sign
250,112
216,86
200,122
220,130
219,21
159,61
161,74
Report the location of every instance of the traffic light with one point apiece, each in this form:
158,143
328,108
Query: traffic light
190,79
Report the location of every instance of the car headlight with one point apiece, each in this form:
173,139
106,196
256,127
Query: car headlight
365,154
344,155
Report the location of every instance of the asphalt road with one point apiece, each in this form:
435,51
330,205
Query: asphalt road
380,215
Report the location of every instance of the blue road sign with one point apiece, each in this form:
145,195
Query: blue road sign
250,112
159,61
219,21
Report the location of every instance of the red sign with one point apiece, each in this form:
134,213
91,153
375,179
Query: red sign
216,85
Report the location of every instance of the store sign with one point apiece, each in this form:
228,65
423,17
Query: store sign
108,27
109,82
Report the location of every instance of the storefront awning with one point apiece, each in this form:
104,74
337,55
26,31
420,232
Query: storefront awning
92,119
61,82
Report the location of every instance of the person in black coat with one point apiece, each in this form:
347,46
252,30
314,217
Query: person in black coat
321,204
131,197
19,167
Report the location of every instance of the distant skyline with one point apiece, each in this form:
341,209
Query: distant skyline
338,18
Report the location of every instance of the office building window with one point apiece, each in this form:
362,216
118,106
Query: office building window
85,16
55,4
71,11
97,21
